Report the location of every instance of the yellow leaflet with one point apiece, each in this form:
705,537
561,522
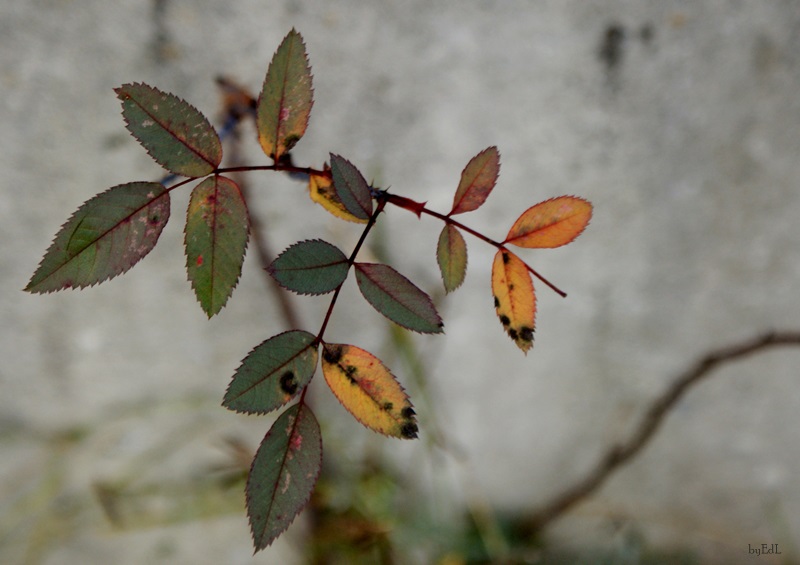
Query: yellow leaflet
320,188
367,389
514,299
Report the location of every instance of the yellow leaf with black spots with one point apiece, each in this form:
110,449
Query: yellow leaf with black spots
368,390
514,298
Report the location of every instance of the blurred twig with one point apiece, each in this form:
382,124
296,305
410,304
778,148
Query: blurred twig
238,104
621,453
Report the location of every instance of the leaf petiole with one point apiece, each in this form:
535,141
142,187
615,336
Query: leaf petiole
419,208
350,260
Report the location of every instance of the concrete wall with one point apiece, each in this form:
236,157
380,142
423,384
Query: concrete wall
678,120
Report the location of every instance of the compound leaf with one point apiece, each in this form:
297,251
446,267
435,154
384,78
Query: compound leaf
273,373
104,238
175,134
514,299
310,267
551,223
397,298
321,191
477,181
451,254
284,105
351,187
283,474
368,390
217,231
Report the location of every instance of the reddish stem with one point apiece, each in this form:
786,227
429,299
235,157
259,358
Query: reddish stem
419,208
274,167
350,261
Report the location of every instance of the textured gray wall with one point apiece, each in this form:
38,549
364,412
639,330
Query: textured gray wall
684,134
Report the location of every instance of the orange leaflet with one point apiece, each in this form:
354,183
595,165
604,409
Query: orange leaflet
514,299
367,389
477,181
551,223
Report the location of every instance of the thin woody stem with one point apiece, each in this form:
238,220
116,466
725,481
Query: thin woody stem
421,209
350,261
276,167
619,454
554,288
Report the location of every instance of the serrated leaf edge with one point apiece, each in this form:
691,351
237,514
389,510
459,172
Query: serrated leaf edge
305,501
241,263
396,380
183,101
591,215
271,271
436,312
466,261
249,353
276,155
365,209
28,288
456,204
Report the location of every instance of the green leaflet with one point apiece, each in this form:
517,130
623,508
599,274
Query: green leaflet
351,187
283,474
105,237
175,134
272,373
310,267
451,254
286,98
397,298
216,237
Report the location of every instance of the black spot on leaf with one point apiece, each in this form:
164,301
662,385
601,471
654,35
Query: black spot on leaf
504,320
407,412
409,430
526,334
332,353
288,384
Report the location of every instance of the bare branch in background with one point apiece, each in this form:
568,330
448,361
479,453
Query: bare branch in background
621,453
